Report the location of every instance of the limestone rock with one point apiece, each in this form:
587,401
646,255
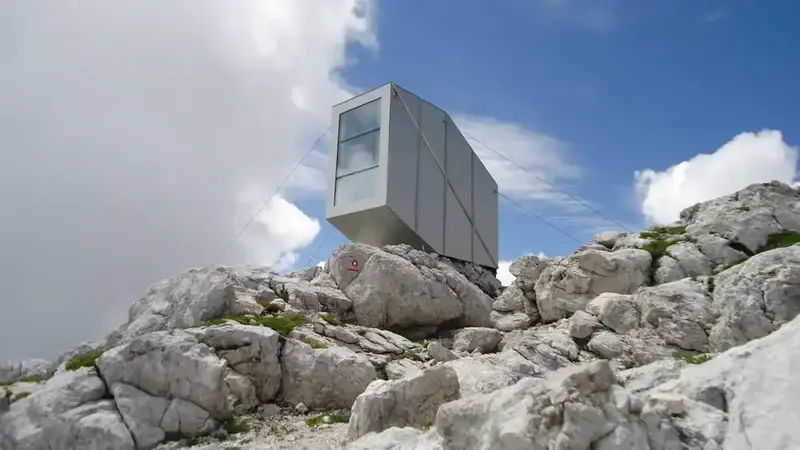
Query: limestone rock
748,216
411,401
469,339
755,297
11,371
68,413
192,297
251,351
323,378
174,365
567,286
510,321
440,353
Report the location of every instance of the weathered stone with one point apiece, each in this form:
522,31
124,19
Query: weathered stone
323,378
411,401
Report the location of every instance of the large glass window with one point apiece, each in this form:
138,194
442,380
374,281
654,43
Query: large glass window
363,119
354,187
357,153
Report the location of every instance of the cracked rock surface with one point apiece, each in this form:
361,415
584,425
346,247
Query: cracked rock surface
677,337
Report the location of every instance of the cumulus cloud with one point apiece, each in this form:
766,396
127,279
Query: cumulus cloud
748,158
139,136
545,156
503,273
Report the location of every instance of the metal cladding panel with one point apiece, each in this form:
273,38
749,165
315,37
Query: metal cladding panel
485,201
404,148
459,164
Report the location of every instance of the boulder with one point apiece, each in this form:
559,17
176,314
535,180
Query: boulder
566,286
469,339
411,401
331,377
68,413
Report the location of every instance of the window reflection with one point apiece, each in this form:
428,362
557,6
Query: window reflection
360,120
354,187
358,153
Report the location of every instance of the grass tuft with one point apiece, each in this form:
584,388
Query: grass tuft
781,240
282,324
236,425
87,359
332,319
315,344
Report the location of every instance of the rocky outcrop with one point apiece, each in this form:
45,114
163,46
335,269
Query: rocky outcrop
676,337
69,412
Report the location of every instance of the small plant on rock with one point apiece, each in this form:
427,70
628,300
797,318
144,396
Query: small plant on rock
781,240
87,359
315,344
332,319
325,419
236,425
696,358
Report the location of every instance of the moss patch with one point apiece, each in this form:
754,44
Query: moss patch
743,208
332,319
236,425
781,240
325,419
313,342
19,396
660,232
282,324
87,359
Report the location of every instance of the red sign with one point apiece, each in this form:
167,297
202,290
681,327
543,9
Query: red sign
355,266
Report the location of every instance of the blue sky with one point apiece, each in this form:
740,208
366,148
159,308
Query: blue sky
625,85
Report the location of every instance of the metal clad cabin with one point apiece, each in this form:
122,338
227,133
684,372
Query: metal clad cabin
402,173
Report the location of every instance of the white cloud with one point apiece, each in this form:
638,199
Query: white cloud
543,155
134,136
505,276
748,158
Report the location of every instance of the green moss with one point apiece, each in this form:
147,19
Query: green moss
19,396
282,324
621,383
191,442
313,342
743,208
736,197
675,231
695,358
331,418
657,247
236,425
781,240
711,285
87,359
332,319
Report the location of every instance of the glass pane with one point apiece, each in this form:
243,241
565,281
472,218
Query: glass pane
354,187
358,153
359,120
